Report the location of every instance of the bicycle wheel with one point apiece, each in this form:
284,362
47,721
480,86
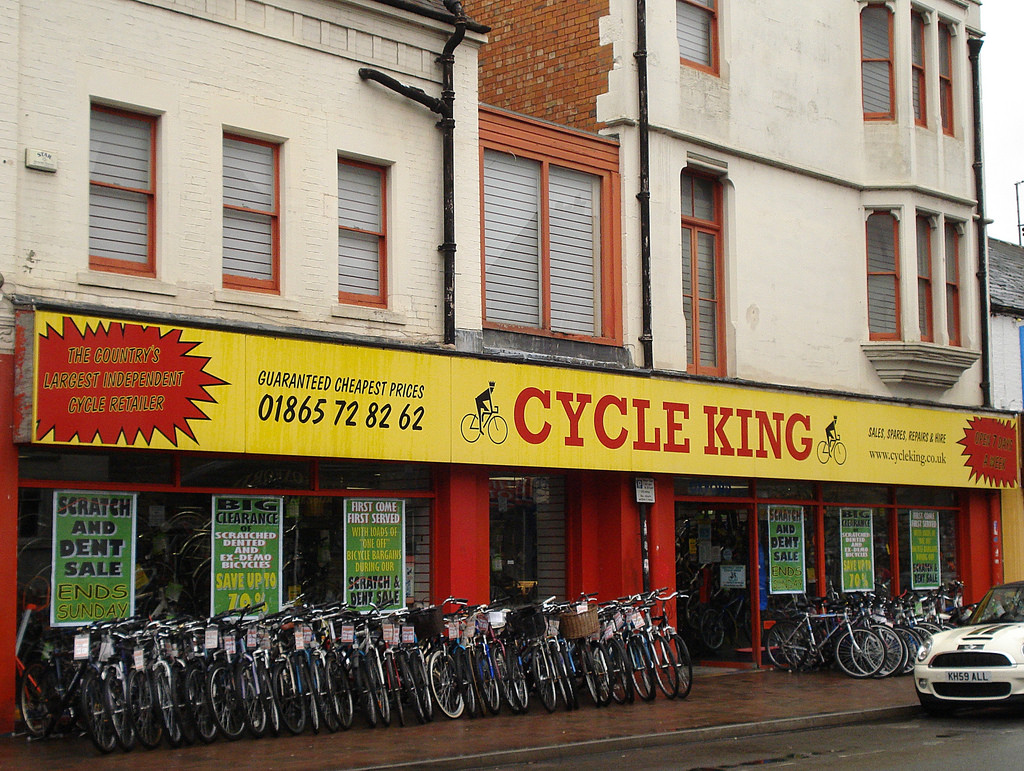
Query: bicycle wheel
787,645
202,715
712,630
684,666
565,675
623,691
497,429
322,689
393,685
488,679
364,691
543,676
409,690
642,666
164,697
37,697
600,672
823,453
290,702
443,680
142,707
859,653
224,703
341,691
182,707
115,695
895,651
95,714
253,713
913,643
467,683
470,427
839,453
664,661
518,688
378,686
266,684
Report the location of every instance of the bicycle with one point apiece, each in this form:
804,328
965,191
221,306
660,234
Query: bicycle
474,425
831,448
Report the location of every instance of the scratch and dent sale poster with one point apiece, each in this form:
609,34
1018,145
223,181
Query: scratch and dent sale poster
113,383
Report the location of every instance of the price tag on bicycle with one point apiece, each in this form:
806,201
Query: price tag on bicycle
620,620
408,634
229,645
307,636
106,649
300,638
582,607
388,633
81,647
453,630
348,633
138,658
211,638
251,639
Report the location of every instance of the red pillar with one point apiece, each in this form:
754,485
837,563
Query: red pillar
461,535
8,543
662,545
981,544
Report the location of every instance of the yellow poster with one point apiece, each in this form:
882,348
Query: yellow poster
105,382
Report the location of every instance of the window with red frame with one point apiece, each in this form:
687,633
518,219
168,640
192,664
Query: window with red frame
924,278
122,191
251,214
361,233
946,76
952,260
697,33
703,306
876,62
883,276
918,73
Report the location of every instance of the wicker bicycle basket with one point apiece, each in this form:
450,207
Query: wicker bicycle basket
579,624
428,622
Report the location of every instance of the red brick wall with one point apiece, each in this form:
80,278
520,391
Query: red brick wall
543,58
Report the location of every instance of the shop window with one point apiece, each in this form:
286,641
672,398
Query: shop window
703,274
122,191
711,487
931,563
857,554
118,467
854,493
244,473
883,276
785,490
527,533
919,75
361,233
339,475
697,33
876,62
251,214
927,496
791,556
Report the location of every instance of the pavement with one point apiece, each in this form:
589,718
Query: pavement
724,703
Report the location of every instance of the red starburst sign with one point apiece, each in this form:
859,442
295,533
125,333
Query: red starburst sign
990,448
119,380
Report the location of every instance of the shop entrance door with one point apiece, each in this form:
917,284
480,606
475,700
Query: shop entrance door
713,569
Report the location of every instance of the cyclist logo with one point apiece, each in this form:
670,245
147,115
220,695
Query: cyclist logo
830,446
485,420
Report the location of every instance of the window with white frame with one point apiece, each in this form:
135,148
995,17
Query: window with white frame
361,233
251,238
697,33
122,191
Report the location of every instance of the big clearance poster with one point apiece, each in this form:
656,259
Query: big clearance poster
116,383
245,562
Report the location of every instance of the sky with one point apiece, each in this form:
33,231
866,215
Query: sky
1002,108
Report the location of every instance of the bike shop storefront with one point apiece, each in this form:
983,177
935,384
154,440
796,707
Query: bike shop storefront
812,539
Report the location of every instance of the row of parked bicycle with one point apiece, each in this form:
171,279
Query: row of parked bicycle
861,634
146,682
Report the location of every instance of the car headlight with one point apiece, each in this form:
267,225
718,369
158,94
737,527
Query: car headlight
924,650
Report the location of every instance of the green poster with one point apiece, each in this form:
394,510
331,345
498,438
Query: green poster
375,553
856,540
245,562
93,573
786,550
924,549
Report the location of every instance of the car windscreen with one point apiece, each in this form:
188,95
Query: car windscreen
1002,604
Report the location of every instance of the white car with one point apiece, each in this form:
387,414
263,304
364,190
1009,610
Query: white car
980,664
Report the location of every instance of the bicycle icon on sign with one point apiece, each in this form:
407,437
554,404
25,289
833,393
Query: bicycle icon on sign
485,420
830,446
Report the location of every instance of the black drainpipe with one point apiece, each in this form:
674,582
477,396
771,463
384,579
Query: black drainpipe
974,47
644,196
445,107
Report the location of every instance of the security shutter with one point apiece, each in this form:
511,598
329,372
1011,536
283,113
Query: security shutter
119,154
512,239
550,536
694,29
574,251
249,184
360,222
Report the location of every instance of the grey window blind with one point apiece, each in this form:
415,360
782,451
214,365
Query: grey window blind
360,221
694,30
876,66
917,54
574,203
512,239
707,285
924,278
687,252
119,154
882,275
249,184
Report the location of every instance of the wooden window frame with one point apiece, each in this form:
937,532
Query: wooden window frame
714,227
894,274
946,37
108,264
713,68
954,322
378,300
551,145
273,284
919,70
890,114
924,280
